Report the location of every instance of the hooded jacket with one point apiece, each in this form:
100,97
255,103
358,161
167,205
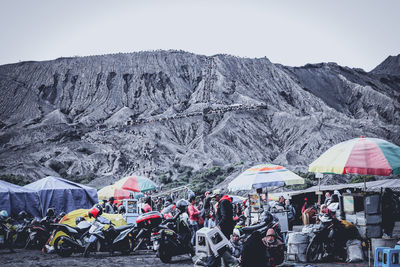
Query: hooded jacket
224,217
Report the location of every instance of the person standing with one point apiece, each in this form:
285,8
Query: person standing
388,209
193,217
224,218
108,207
206,208
291,213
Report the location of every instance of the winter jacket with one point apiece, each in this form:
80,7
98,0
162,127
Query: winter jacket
193,213
224,216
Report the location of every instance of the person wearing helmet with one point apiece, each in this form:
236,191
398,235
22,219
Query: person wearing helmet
183,229
274,247
3,215
182,205
50,212
22,215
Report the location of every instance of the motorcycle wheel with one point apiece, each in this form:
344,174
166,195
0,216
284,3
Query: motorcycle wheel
87,250
164,256
126,246
313,250
62,248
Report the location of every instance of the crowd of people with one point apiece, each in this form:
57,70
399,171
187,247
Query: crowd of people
199,113
213,209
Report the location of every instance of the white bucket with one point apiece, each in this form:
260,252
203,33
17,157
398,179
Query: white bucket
297,247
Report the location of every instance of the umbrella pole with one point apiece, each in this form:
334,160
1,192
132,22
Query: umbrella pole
319,176
365,185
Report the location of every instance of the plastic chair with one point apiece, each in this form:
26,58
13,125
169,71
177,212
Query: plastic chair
391,257
378,259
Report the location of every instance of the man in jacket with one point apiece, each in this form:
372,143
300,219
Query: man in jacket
206,208
224,218
275,248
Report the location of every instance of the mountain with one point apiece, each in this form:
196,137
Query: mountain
391,66
100,118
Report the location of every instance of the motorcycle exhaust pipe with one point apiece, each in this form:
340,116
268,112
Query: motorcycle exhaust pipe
72,242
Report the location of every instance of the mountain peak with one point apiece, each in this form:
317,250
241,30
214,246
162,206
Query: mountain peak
391,65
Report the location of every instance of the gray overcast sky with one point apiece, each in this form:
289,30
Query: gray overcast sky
355,33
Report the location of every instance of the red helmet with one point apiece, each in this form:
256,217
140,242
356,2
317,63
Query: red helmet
94,212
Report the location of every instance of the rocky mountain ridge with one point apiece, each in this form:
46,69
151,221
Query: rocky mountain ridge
151,113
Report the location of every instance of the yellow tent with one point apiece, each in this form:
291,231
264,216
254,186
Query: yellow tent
69,219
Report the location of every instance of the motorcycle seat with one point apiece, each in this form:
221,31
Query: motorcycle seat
251,229
123,227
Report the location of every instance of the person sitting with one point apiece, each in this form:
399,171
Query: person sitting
147,205
281,202
327,198
334,204
275,248
236,244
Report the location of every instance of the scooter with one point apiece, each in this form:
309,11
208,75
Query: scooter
110,239
6,236
254,251
148,226
175,239
75,239
326,239
38,233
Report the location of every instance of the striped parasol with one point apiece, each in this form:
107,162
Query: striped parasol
136,184
264,175
118,193
365,156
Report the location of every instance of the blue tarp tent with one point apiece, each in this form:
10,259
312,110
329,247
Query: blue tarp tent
63,195
14,199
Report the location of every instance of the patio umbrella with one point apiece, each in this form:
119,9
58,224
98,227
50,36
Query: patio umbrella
237,199
264,175
106,192
112,191
136,184
365,156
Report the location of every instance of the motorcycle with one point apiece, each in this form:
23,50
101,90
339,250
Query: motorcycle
39,233
148,225
254,250
174,239
6,236
328,239
267,221
21,233
110,239
75,239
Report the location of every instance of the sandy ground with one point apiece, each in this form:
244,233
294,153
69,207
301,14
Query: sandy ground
37,258
142,259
